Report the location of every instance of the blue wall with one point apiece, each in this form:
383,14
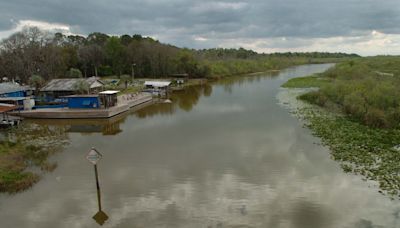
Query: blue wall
14,94
83,102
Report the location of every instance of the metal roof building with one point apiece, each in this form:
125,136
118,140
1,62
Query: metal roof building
157,84
58,88
68,84
10,89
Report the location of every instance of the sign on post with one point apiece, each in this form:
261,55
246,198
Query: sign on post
93,156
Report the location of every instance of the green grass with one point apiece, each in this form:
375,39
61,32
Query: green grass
306,82
131,89
12,181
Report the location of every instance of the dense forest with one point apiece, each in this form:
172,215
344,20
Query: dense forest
32,52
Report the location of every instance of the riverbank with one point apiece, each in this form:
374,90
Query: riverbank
359,148
24,153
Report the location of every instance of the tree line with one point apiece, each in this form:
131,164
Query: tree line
56,55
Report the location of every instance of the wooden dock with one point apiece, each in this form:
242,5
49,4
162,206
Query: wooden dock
125,103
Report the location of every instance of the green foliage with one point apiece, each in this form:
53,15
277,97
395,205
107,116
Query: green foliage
105,70
306,82
74,73
27,147
100,54
125,79
36,81
360,149
115,54
82,86
365,89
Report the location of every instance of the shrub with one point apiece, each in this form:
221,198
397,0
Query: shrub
74,73
375,118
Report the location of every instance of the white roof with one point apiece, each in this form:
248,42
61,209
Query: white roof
109,92
157,83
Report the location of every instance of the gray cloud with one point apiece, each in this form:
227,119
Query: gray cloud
181,21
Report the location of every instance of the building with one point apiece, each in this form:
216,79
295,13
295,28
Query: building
109,98
13,94
58,88
158,88
11,89
180,78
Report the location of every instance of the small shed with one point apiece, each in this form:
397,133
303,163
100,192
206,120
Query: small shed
83,101
109,98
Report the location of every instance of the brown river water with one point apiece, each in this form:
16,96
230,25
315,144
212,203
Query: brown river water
224,154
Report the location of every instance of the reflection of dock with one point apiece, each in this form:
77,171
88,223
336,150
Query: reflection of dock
125,103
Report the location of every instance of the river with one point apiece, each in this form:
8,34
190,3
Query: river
224,154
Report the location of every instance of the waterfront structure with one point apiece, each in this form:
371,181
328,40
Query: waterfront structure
11,89
180,78
61,87
116,105
159,88
22,103
109,98
8,121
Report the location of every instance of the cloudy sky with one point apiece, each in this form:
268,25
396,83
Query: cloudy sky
366,27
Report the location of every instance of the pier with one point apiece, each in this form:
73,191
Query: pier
125,103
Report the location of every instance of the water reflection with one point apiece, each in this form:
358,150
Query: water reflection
184,99
188,98
236,160
110,126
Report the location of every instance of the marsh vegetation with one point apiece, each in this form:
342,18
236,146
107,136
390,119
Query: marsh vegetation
359,116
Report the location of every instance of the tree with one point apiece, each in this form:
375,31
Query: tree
186,63
74,73
115,54
97,38
126,40
92,55
36,81
82,86
125,79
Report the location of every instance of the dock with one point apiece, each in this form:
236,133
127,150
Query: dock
125,103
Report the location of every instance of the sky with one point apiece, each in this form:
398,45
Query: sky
365,27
